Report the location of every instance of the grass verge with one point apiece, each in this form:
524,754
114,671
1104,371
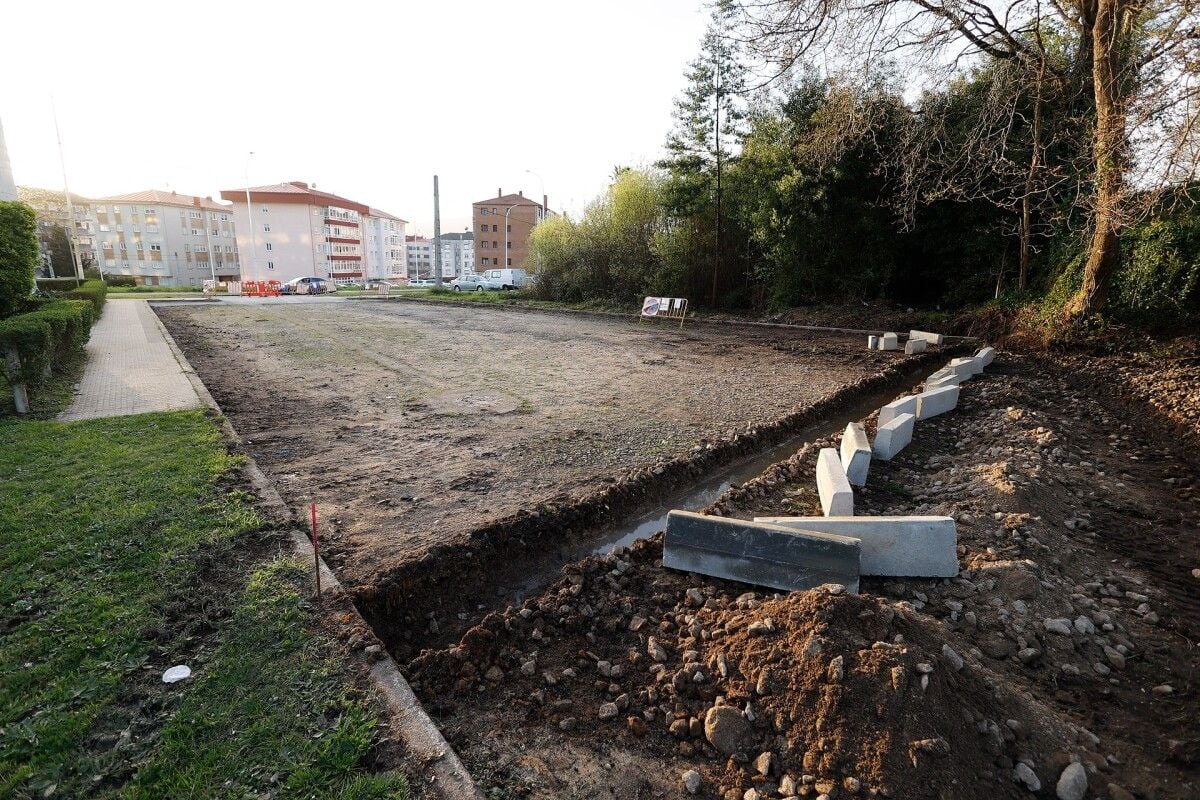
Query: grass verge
148,289
125,549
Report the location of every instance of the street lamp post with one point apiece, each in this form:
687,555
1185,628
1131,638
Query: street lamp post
510,208
250,212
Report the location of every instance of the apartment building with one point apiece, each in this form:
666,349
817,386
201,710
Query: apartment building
52,213
420,256
501,228
385,245
166,238
458,254
290,230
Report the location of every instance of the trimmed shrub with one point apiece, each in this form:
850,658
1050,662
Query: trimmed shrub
121,280
45,339
57,284
93,291
18,256
33,339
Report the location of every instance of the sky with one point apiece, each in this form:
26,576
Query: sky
365,99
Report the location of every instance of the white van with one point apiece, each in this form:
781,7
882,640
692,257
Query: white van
505,279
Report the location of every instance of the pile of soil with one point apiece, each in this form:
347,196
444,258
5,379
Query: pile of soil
808,694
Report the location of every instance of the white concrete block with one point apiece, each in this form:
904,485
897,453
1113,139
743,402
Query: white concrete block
893,436
936,401
837,498
967,367
943,377
932,338
914,346
872,342
905,405
914,547
889,341
856,454
986,355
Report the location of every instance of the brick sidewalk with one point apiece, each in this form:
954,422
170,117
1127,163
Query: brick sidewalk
130,367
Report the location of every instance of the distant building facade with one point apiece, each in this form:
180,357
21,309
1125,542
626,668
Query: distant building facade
51,208
166,238
387,255
292,230
501,227
458,254
420,256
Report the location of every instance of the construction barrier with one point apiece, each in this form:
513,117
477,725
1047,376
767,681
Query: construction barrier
669,307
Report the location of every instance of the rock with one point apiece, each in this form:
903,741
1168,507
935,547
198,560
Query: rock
852,785
637,726
1072,783
761,627
607,711
1028,655
1114,657
655,650
787,786
752,794
1163,690
567,723
836,669
692,781
637,623
1084,626
1116,792
726,729
765,763
495,674
1059,626
528,667
952,658
1024,775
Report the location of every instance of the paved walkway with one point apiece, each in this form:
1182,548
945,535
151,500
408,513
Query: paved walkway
130,367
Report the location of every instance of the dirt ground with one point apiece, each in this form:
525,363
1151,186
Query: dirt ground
413,425
1063,656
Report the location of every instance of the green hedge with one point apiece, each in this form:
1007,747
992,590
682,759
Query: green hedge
94,291
121,280
57,284
45,339
18,255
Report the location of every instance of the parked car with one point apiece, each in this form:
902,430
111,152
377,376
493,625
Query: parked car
472,282
311,285
423,282
376,283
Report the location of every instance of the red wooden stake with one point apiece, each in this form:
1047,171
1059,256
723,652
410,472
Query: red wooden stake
316,543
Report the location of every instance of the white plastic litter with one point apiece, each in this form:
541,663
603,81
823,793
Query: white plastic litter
177,673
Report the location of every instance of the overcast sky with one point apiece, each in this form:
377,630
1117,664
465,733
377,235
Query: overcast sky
366,99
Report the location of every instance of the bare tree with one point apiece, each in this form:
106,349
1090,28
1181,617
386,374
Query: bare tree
1136,60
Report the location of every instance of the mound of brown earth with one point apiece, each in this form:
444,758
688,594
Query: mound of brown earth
808,694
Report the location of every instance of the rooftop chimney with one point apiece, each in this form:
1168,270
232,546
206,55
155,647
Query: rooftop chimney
520,192
499,193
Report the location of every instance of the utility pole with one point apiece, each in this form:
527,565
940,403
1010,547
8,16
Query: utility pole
437,236
70,206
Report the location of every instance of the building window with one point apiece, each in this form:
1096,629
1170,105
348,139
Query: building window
483,228
265,209
266,228
269,246
270,265
483,245
509,228
509,244
495,228
509,262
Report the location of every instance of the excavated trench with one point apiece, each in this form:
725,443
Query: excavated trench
432,601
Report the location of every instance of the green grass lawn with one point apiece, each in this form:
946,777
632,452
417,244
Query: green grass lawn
127,547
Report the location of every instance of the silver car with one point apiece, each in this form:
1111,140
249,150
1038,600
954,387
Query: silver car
311,285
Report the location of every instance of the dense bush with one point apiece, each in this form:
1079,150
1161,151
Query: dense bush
1159,282
18,256
48,338
57,284
121,280
93,291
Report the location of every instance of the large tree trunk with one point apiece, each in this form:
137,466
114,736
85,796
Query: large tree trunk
1109,152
